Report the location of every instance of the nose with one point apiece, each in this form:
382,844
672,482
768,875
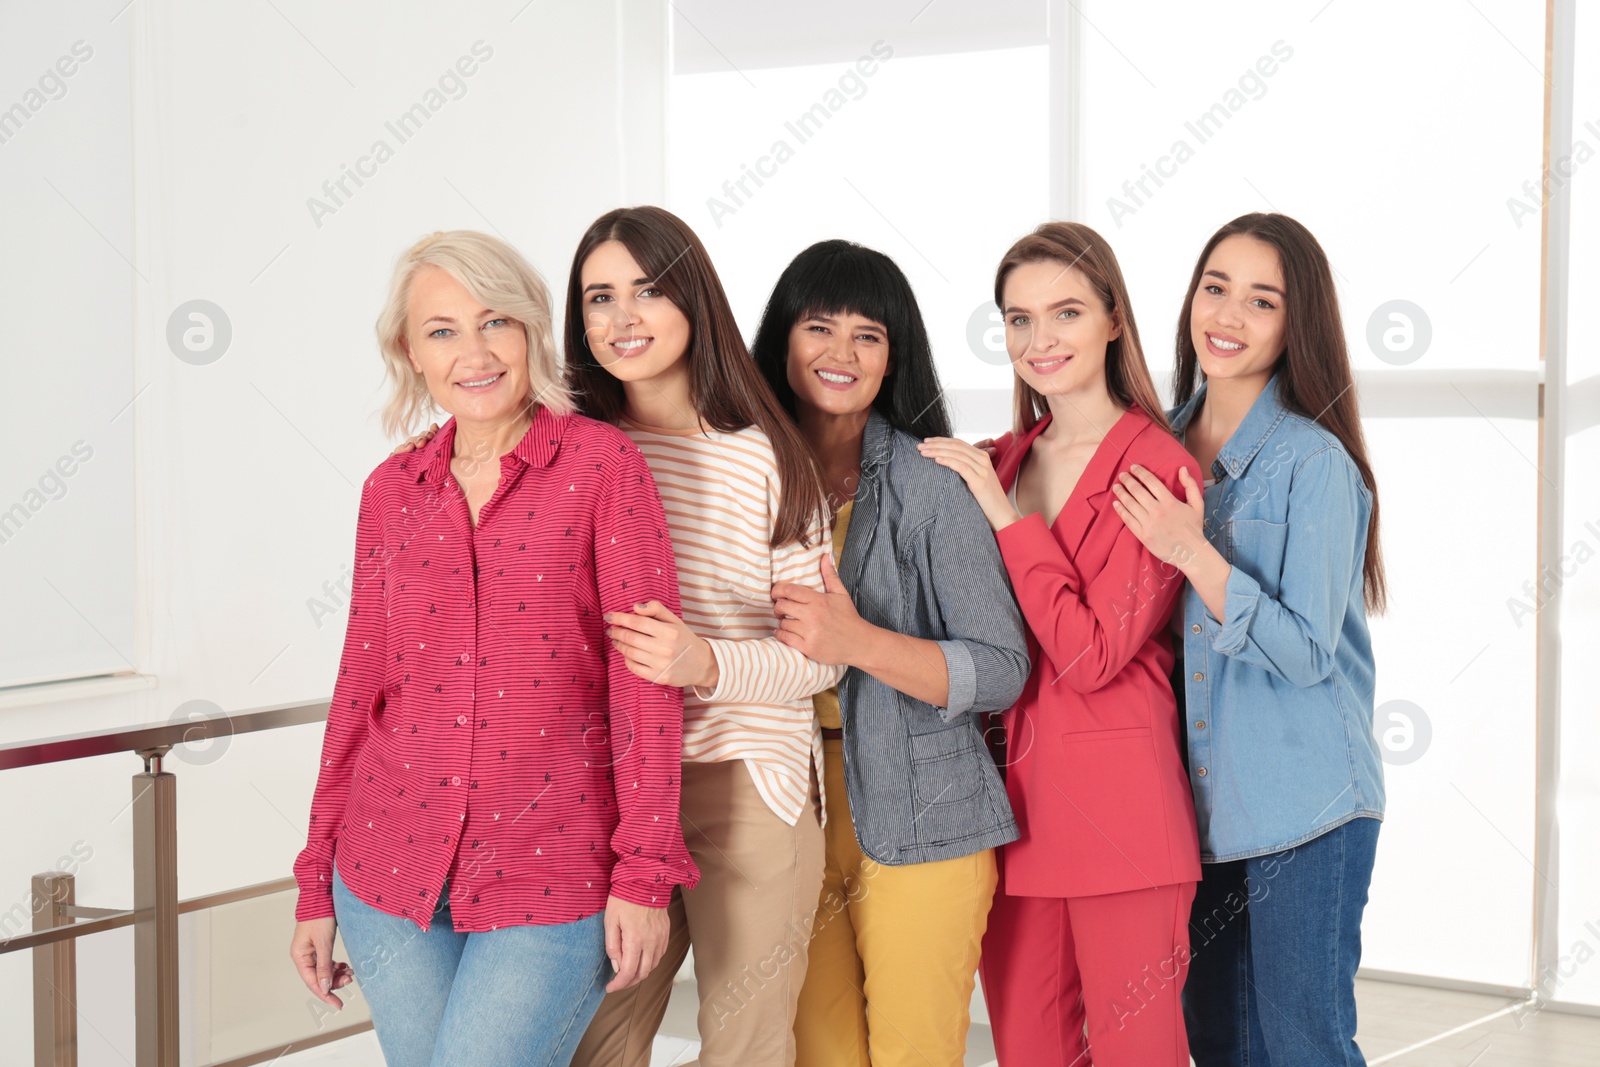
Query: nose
1039,340
1231,314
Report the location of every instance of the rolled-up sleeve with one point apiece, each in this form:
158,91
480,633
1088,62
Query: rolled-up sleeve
986,651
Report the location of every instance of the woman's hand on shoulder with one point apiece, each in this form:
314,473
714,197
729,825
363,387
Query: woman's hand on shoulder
976,468
411,444
1172,530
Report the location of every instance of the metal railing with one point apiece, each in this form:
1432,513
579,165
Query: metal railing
58,920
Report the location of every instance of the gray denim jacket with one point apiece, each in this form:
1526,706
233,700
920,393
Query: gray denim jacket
919,558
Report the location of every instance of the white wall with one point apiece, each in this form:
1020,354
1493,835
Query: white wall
245,469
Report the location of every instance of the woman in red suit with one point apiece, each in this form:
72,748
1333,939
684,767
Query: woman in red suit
1089,928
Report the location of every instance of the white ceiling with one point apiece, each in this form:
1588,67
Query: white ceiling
720,35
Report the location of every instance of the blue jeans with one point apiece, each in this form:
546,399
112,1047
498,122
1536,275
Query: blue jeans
1275,942
519,995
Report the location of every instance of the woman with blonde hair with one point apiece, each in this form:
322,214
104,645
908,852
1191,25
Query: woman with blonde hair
495,810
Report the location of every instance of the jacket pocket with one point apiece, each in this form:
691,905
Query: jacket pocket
944,766
1106,735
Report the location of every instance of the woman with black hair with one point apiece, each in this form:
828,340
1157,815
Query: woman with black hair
920,611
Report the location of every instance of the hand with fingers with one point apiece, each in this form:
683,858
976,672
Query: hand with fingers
822,626
411,444
1172,530
636,939
312,951
659,647
976,468
988,448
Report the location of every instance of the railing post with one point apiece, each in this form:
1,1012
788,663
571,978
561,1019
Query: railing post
55,977
155,907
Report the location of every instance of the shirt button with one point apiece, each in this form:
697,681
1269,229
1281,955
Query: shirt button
461,720
1199,724
1195,628
1199,677
457,781
1201,772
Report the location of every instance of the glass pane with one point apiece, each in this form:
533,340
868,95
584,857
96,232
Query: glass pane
1333,114
926,155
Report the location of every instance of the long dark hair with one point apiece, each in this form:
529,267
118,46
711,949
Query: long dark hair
727,391
1078,247
1314,376
843,278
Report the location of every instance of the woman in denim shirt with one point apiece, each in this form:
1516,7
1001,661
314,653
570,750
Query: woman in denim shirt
1280,548
921,612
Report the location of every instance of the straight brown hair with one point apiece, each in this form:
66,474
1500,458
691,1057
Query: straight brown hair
1078,247
1314,376
726,388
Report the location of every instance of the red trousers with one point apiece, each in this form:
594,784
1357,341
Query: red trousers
1116,961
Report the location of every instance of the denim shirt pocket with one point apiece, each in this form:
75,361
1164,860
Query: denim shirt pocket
1256,546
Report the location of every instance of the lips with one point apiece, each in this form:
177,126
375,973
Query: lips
482,385
1224,346
629,347
1050,365
835,379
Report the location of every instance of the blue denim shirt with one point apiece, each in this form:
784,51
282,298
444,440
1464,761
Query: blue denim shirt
919,558
1280,695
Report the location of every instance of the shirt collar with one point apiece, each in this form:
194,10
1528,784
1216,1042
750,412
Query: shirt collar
1258,423
537,448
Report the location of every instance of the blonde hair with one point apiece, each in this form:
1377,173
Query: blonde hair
499,278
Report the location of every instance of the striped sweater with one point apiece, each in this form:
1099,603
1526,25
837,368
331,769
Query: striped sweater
721,494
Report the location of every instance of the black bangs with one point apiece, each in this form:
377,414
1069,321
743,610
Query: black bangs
837,281
833,278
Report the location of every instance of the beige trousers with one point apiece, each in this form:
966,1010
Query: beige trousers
749,921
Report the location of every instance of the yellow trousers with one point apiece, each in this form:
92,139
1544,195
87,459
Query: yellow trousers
893,954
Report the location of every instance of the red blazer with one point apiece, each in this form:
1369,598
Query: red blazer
1094,773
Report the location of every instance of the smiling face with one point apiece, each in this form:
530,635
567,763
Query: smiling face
1057,329
473,359
634,331
1236,318
837,362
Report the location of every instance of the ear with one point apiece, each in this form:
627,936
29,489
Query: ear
405,346
1116,326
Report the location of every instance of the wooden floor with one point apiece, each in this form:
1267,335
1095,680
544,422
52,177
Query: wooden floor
1400,1024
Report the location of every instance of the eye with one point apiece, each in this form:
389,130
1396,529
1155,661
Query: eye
649,290
1018,320
1068,313
1263,303
497,322
440,332
870,338
817,328
1213,288
599,298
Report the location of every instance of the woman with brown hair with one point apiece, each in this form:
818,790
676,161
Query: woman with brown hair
1275,670
1089,926
652,346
